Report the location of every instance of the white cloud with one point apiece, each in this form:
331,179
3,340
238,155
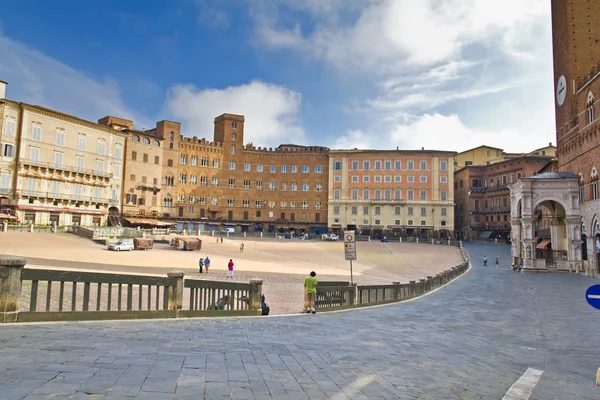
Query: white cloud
393,33
37,78
439,132
271,111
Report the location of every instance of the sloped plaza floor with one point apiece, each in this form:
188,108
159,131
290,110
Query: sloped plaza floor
469,340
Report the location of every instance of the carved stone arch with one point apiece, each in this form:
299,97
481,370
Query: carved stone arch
555,199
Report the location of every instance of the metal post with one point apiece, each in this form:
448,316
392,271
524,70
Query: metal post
351,278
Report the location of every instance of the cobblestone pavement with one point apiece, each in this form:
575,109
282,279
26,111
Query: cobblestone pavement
469,340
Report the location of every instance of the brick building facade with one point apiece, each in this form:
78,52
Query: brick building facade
576,48
482,196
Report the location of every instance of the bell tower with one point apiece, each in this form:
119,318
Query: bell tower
576,49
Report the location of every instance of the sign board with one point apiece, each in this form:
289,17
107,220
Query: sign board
349,246
592,295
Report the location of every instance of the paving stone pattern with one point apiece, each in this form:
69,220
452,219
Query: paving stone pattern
469,340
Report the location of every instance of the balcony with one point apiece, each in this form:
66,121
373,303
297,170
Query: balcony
490,210
400,202
149,186
67,168
487,189
65,196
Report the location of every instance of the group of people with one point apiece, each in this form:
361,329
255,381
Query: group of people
497,262
485,261
205,262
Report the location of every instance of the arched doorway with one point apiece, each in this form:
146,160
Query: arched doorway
114,217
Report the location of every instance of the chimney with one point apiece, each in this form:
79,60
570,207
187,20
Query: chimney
3,89
550,144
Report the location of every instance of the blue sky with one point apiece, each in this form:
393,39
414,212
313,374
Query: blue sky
442,74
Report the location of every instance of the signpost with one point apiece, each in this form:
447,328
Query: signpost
592,295
350,250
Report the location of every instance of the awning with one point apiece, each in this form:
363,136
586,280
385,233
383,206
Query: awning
214,223
485,235
145,221
336,226
229,223
543,243
7,216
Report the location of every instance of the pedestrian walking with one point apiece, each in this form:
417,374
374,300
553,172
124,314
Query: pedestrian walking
217,240
221,239
206,263
242,247
496,262
484,261
310,288
200,264
230,269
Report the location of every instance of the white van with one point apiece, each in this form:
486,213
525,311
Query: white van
229,230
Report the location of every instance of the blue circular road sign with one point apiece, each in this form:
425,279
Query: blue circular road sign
592,295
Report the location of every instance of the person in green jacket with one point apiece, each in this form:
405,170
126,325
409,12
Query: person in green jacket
310,286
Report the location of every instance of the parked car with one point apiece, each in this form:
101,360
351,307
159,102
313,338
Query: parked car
330,236
121,246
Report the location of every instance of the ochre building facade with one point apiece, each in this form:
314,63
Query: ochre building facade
383,193
56,168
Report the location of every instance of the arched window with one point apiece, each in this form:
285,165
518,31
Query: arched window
233,136
146,140
590,108
233,149
171,136
135,138
155,143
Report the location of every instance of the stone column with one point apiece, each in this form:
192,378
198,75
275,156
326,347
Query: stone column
255,294
4,226
574,244
30,227
10,287
176,298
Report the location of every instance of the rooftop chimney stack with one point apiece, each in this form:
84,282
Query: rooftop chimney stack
3,89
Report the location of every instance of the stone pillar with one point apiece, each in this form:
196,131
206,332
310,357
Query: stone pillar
400,239
412,288
176,298
261,235
30,227
417,240
396,290
4,226
255,293
10,287
245,234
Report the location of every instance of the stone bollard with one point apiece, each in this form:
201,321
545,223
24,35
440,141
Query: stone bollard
30,227
245,234
448,242
261,234
176,297
400,239
598,377
255,294
10,287
417,240
432,241
4,227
